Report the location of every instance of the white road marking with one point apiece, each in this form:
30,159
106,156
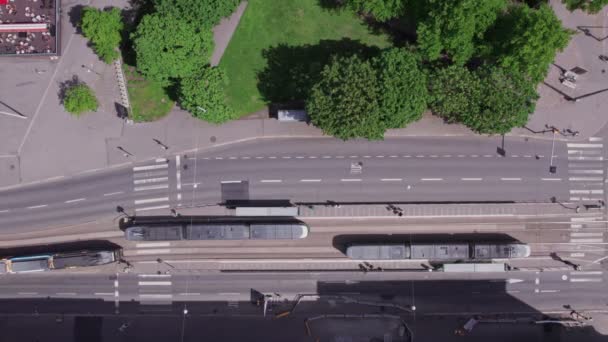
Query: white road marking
286,157
577,255
229,294
231,181
585,158
353,156
586,234
310,180
161,160
551,179
178,172
38,206
586,280
391,179
584,219
339,157
431,179
113,193
300,157
587,273
219,158
488,155
151,187
594,192
154,283
393,156
586,240
510,179
585,152
27,293
350,180
471,179
549,291
596,172
153,251
272,157
66,293
150,167
585,179
232,158
585,145
271,181
595,139
326,157
189,294
433,156
76,200
4,211
312,157
104,293
155,296
165,206
152,200
152,244
536,281
151,180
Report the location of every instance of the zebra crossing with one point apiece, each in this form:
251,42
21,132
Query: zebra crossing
151,178
585,231
586,171
586,277
155,289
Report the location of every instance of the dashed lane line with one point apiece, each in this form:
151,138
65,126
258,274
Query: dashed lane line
350,179
152,244
75,200
551,179
271,181
114,193
510,179
573,145
431,179
391,179
310,180
585,179
154,283
38,206
471,179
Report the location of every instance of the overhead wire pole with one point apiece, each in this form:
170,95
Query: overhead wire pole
552,168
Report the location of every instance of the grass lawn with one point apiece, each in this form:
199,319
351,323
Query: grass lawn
149,100
283,31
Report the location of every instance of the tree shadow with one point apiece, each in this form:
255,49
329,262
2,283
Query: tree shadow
65,85
75,15
292,71
331,4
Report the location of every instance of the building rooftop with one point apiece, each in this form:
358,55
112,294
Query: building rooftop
29,27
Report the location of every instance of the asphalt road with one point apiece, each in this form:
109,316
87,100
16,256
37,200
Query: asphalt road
309,170
432,293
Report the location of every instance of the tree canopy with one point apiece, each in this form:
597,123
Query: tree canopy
205,13
527,40
382,10
103,28
402,87
455,26
79,98
490,100
345,101
202,94
168,48
591,6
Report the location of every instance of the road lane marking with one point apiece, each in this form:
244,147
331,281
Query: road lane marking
585,158
152,187
150,167
38,206
431,179
104,293
271,181
471,179
350,180
4,211
231,181
229,294
76,200
584,219
155,296
593,192
189,294
161,160
583,179
154,283
586,234
300,157
151,180
596,172
573,145
286,157
551,179
66,293
488,155
310,180
585,152
154,275
153,251
178,172
510,179
152,200
586,280
577,255
586,273
549,291
391,179
113,193
326,157
312,157
166,206
27,293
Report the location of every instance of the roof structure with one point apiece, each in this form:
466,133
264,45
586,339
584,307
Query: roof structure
29,27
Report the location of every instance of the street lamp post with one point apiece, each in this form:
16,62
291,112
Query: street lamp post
552,168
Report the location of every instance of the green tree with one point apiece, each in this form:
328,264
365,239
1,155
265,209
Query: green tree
454,90
203,95
507,101
79,98
526,40
489,100
591,6
168,48
382,10
345,101
455,27
403,92
103,28
205,13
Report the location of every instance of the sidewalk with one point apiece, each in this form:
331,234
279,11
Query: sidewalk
52,143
